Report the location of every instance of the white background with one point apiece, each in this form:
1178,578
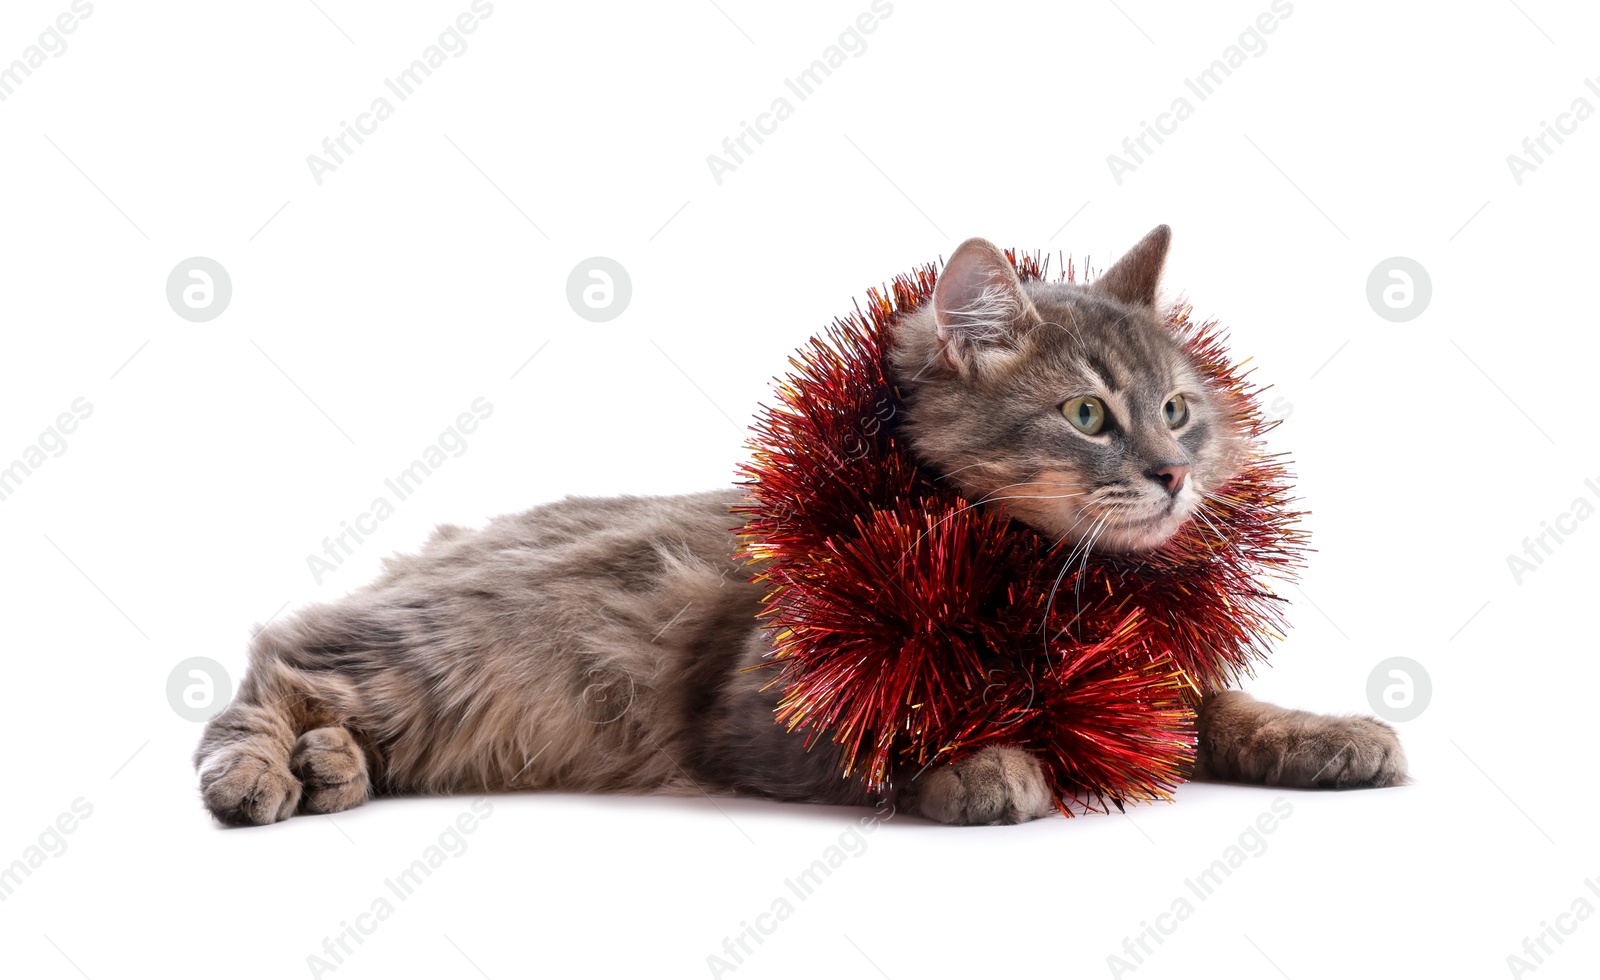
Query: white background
421,274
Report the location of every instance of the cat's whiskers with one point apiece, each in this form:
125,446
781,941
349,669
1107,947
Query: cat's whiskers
1032,496
1082,516
1200,512
966,506
1095,531
946,476
1025,483
1083,544
1083,567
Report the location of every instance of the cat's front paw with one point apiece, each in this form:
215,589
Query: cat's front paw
1001,784
1351,752
1250,741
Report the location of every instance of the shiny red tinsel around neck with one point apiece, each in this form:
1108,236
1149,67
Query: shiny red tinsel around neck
912,628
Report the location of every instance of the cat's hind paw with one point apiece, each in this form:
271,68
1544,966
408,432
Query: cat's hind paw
332,768
241,788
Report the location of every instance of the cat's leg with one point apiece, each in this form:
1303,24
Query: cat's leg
745,752
1244,740
243,761
280,744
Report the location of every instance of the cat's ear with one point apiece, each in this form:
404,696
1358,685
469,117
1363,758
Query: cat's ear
979,305
1136,276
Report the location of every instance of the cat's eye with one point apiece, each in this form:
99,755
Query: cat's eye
1175,411
1087,415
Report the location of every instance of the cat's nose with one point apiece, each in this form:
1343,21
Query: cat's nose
1171,476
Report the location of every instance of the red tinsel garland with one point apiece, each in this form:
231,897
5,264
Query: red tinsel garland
911,627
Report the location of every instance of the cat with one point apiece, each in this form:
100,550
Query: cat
599,644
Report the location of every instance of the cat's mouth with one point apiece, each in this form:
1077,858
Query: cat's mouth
1129,530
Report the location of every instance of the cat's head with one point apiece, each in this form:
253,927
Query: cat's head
1073,404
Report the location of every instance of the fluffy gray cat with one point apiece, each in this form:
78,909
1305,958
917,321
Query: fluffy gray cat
599,644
